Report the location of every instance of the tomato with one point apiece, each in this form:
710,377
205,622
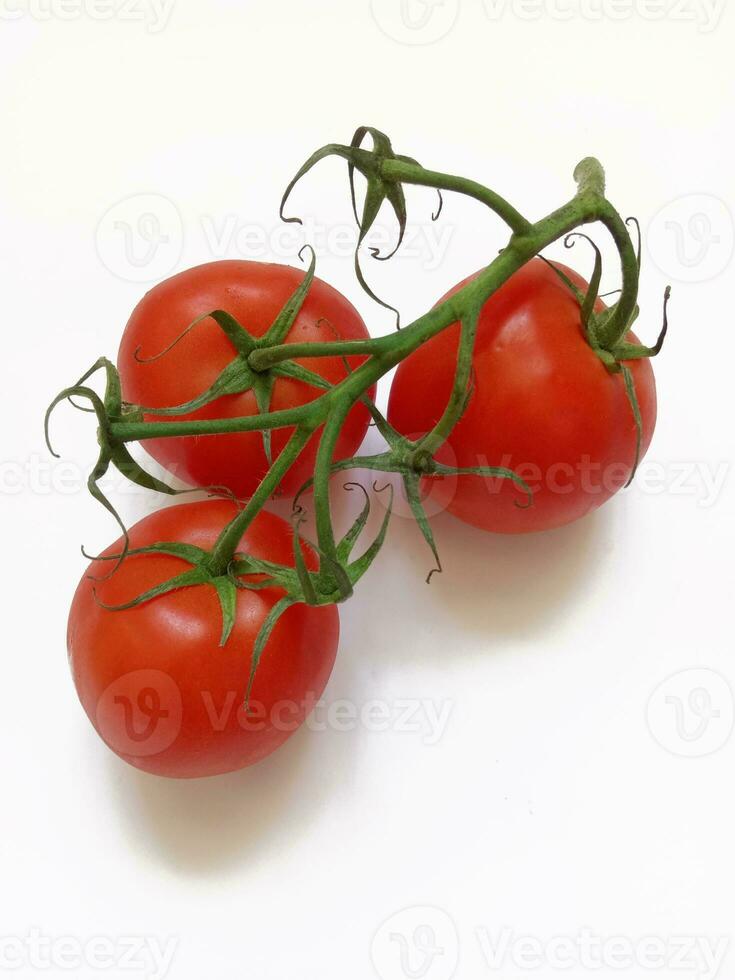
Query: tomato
154,680
543,404
254,294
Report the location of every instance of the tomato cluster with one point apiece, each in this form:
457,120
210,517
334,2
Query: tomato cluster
152,678
200,640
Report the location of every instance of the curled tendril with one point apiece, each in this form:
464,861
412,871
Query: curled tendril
639,246
380,188
109,409
297,511
80,408
615,357
351,485
588,304
174,343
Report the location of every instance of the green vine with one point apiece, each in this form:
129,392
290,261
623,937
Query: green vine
258,362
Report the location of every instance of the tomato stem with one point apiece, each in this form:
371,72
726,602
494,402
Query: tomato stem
386,174
228,541
413,173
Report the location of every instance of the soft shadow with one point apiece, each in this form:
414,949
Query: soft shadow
516,585
504,587
206,826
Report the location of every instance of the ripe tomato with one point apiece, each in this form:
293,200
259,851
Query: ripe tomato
543,404
254,294
154,680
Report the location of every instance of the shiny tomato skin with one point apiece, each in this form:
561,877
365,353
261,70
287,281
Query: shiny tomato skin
543,404
254,293
154,681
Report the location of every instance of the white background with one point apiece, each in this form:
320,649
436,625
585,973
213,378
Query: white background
570,790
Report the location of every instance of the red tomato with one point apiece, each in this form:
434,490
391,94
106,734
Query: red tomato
154,680
543,405
254,294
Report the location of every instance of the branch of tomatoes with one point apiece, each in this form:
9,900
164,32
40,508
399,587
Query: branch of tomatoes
258,362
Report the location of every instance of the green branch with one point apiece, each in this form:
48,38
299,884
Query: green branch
386,174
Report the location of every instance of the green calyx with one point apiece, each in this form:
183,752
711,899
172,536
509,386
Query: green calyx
258,361
112,451
381,186
298,583
244,373
413,462
605,336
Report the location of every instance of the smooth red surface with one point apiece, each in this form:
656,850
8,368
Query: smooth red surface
254,293
161,664
543,404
